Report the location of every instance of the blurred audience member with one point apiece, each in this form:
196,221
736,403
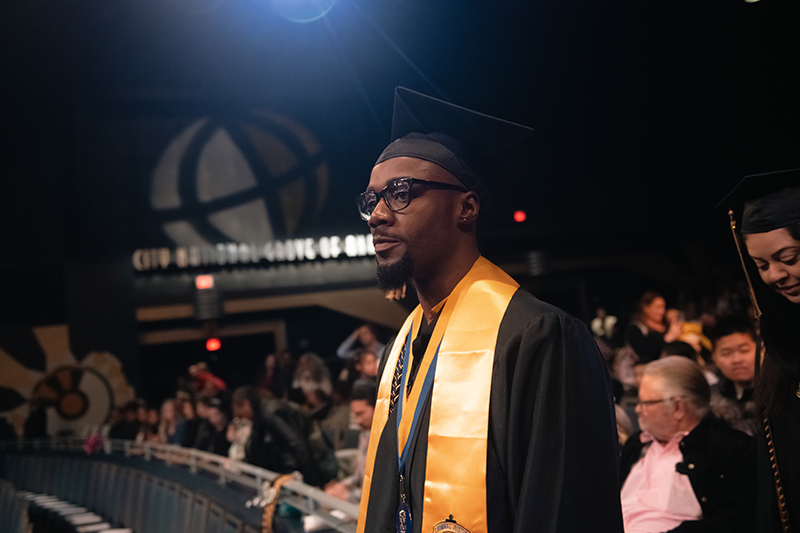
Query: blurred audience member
623,367
367,365
141,413
362,407
205,382
266,380
364,365
604,325
130,423
336,423
172,428
212,435
649,331
362,338
686,470
272,443
148,432
239,431
735,356
311,378
284,375
624,425
191,423
684,349
115,421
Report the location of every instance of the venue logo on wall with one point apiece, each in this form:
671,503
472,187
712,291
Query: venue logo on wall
47,390
254,178
234,253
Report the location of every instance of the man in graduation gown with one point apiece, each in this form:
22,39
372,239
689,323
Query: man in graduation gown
494,410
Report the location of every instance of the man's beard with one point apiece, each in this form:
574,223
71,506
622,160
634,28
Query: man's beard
394,275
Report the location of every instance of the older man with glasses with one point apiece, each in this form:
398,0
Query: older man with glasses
686,471
494,409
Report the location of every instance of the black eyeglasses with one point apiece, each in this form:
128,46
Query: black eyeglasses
397,195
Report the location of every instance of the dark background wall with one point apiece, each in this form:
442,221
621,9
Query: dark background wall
646,113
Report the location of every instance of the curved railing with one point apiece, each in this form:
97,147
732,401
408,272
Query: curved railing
337,514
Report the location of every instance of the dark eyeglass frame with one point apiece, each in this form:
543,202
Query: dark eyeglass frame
367,198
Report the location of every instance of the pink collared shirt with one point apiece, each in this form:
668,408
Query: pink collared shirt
656,497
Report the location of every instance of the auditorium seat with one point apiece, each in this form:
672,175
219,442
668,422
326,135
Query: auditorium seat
75,493
13,509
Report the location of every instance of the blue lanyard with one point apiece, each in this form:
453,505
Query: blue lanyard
426,387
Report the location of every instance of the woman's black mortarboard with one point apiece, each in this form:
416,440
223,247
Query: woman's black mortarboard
762,202
766,202
478,149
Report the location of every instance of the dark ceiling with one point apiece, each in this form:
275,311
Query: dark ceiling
645,112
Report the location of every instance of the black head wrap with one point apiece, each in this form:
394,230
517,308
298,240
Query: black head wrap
477,149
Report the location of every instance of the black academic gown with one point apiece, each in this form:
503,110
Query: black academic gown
553,455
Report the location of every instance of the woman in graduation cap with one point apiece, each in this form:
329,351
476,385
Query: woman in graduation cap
768,207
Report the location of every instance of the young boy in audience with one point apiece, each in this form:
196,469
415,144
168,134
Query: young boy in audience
735,355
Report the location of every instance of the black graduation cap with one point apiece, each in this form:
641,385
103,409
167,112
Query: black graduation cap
766,202
478,149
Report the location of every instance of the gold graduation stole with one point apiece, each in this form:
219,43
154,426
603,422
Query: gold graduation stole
461,351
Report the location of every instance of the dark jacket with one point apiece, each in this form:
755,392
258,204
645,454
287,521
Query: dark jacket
721,465
274,445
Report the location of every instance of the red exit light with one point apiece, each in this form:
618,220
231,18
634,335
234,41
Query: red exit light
212,345
520,216
204,282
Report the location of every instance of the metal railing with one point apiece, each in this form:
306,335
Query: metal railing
338,514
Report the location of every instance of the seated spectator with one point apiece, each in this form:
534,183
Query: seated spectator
735,355
362,338
129,427
172,428
149,431
648,332
284,375
364,365
686,471
362,407
204,428
239,431
336,422
141,414
310,377
191,423
367,365
604,325
684,349
272,444
212,434
624,424
115,418
266,380
205,382
680,348
115,423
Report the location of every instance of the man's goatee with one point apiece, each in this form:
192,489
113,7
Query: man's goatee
394,275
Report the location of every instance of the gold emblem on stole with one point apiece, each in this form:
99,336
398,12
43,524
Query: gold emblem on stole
449,526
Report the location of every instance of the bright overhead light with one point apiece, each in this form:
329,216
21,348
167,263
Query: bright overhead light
303,10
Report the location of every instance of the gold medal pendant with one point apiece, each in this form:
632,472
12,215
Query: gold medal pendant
449,526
